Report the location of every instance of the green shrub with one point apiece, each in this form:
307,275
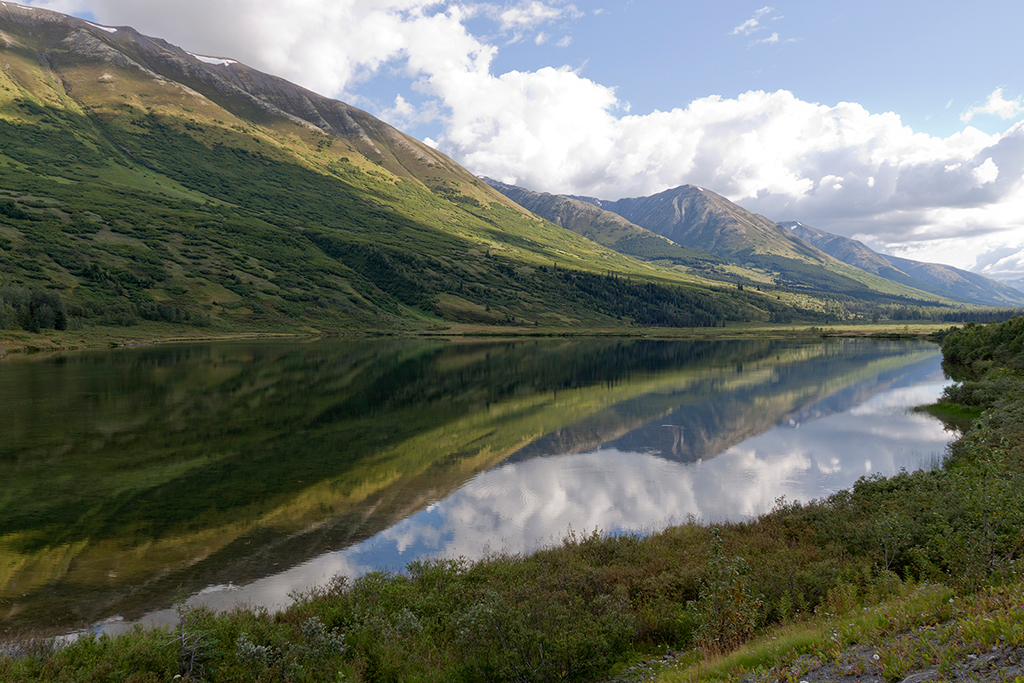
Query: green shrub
727,611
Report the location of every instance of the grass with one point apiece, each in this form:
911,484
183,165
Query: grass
958,416
794,648
924,626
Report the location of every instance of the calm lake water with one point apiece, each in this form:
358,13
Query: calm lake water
240,473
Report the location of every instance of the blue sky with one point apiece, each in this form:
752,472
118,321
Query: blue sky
898,123
929,62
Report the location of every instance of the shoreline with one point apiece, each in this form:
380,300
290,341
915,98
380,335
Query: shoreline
14,344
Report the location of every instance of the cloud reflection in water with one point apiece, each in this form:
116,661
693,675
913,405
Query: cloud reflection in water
526,504
521,506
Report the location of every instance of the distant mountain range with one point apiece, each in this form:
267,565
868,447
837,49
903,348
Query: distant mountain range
930,277
143,184
703,221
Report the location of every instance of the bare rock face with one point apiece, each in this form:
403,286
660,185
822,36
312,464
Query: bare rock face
84,42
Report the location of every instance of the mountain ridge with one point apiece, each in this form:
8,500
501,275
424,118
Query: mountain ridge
705,221
602,226
272,95
759,251
934,277
702,219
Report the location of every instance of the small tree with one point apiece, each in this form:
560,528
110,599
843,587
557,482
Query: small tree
727,611
8,316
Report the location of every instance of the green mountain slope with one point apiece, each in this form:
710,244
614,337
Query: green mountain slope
931,277
139,181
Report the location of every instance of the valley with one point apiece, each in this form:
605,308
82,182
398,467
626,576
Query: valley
289,394
148,193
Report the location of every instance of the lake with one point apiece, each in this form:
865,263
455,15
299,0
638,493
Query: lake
232,473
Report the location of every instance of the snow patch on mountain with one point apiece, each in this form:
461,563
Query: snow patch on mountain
108,29
213,60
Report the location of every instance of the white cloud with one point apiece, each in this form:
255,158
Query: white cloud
1009,269
532,14
837,167
566,41
987,172
753,24
1002,263
997,105
404,114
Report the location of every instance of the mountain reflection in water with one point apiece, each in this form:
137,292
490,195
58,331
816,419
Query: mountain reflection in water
241,473
523,505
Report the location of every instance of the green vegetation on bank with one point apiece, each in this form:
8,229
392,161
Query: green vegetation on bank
588,607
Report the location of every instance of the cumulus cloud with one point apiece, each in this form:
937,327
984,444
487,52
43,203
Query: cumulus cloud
838,167
996,105
753,24
532,14
1005,263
